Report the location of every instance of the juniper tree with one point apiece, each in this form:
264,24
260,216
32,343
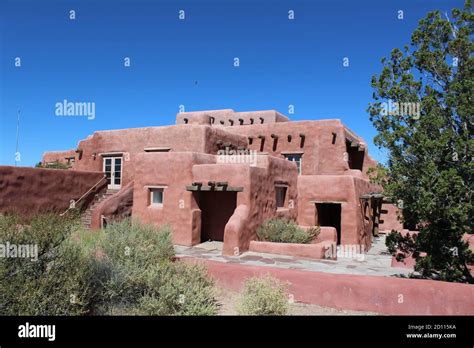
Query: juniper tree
430,162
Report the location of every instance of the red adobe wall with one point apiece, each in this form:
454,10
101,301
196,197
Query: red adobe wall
180,209
258,197
229,117
173,170
28,191
320,156
389,218
133,141
356,225
384,295
58,156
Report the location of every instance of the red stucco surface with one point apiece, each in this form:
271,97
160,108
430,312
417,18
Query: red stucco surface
384,295
28,191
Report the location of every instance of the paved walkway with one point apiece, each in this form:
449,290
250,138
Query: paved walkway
375,262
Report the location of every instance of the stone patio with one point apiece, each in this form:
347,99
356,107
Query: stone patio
376,262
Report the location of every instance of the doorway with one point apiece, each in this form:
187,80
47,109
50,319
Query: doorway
216,209
329,214
113,172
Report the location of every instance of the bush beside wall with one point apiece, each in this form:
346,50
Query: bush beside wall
284,231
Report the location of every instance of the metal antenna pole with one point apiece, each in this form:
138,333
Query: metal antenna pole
17,135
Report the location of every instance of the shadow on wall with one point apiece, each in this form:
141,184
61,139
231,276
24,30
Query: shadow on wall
29,191
115,208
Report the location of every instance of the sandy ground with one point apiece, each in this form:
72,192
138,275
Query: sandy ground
228,299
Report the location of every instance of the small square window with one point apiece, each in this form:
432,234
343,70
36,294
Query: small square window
295,158
280,196
156,196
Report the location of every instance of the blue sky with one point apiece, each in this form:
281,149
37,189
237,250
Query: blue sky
190,62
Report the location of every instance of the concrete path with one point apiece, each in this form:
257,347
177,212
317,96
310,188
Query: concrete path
375,262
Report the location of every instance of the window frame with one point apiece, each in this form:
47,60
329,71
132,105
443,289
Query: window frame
299,164
284,189
151,192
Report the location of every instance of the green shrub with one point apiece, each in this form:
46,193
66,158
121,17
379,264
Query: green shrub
141,278
263,296
179,289
127,268
284,231
58,282
53,165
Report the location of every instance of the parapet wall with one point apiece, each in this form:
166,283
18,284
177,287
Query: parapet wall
58,156
228,117
28,191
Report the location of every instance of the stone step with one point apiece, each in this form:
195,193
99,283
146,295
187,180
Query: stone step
86,218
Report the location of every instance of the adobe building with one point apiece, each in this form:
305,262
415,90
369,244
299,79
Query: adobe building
218,175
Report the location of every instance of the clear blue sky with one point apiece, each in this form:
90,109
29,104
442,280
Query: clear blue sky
190,62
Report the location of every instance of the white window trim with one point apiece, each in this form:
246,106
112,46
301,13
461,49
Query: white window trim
150,195
299,165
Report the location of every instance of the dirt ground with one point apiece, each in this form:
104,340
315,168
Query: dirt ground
229,298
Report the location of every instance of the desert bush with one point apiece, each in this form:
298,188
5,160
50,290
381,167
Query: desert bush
179,289
141,277
127,268
57,281
285,231
263,296
53,165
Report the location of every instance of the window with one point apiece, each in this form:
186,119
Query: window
280,196
294,158
156,196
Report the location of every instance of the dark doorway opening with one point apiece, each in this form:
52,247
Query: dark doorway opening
355,156
216,209
329,214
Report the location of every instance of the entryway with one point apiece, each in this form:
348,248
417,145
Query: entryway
329,214
216,209
113,171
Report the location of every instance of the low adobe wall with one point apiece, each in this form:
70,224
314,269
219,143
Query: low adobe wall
28,191
389,218
317,249
356,218
58,156
115,208
384,295
311,251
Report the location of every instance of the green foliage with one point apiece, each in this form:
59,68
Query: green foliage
140,277
179,289
126,269
430,167
401,246
377,175
53,165
263,296
58,282
284,231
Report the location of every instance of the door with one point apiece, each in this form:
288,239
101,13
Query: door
216,209
113,171
329,214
